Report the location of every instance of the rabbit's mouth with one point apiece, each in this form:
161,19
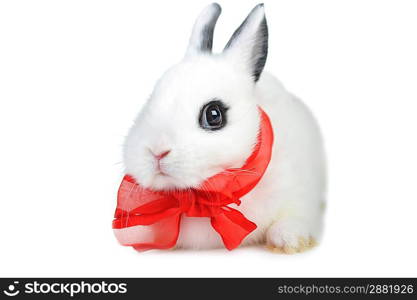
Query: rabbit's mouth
162,180
169,179
161,173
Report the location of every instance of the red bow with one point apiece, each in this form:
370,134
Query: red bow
147,219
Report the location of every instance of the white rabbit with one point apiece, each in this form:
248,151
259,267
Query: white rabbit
287,204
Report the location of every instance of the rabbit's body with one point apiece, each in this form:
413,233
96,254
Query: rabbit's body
203,118
287,204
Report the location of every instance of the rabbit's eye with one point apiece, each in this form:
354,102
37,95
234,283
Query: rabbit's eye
213,115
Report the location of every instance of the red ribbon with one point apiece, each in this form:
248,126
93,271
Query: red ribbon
147,219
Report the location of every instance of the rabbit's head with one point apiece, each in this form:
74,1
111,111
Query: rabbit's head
202,117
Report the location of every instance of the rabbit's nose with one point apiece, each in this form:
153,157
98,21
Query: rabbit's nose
161,155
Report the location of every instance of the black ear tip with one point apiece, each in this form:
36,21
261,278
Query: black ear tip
216,8
259,6
216,5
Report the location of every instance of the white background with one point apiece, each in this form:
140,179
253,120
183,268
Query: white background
73,74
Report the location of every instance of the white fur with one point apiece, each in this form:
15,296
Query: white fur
287,203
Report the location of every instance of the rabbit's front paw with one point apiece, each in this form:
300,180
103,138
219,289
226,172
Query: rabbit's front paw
289,236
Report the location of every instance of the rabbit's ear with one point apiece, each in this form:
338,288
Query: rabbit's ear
249,43
201,40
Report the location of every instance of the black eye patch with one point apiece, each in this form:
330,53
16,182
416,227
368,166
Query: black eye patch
213,115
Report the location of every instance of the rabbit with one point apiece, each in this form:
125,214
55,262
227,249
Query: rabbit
168,134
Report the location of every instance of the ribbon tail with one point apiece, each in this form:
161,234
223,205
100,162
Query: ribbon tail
232,226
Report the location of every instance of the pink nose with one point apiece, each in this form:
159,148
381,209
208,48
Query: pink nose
162,155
